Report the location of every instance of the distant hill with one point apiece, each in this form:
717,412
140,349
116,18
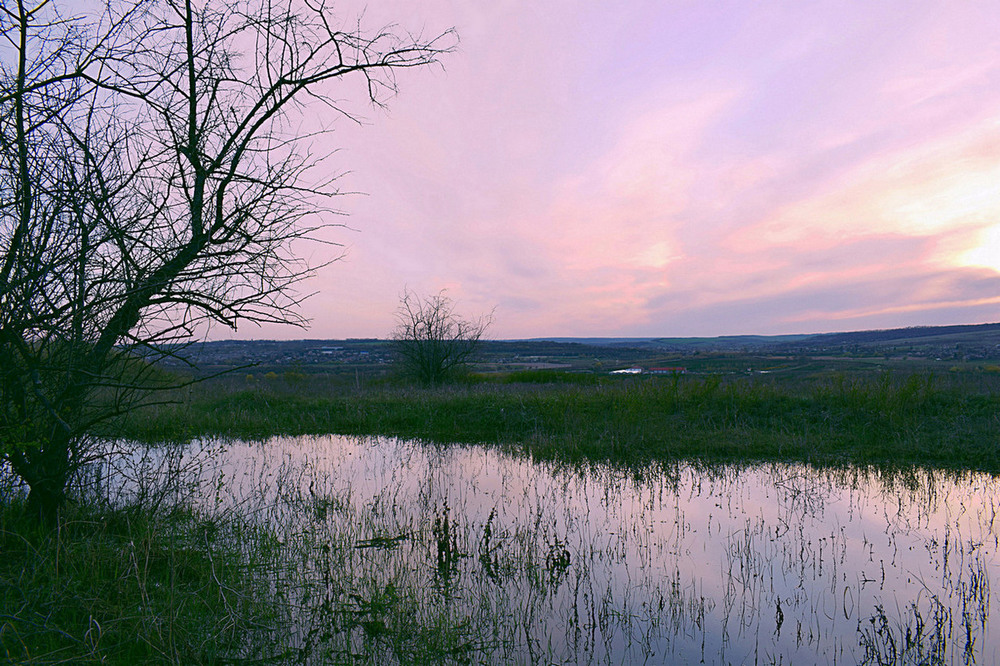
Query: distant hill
976,335
975,342
960,333
721,343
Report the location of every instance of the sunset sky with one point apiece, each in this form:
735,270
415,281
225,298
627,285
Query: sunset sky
670,168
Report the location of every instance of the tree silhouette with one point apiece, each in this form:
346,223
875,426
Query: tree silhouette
431,341
153,181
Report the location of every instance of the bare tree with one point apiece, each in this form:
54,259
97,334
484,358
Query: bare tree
153,182
433,342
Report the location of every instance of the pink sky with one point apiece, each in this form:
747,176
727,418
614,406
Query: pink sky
677,168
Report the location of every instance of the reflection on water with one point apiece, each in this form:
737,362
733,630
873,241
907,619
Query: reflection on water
537,562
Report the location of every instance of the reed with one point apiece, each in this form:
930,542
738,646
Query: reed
908,420
379,551
119,585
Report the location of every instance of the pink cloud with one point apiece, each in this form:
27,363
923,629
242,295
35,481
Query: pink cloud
677,168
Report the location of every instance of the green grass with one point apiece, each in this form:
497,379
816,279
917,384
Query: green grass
868,419
226,584
140,584
125,586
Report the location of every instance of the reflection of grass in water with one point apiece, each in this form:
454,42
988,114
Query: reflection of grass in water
156,580
915,640
313,575
429,582
925,631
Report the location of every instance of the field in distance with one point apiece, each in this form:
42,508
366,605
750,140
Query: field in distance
933,349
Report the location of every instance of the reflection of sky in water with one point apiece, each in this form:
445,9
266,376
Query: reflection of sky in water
769,563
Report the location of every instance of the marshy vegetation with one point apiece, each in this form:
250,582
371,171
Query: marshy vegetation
373,550
949,420
155,183
607,520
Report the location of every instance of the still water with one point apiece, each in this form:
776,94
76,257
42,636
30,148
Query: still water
537,562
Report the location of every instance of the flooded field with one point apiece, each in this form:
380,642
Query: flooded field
394,551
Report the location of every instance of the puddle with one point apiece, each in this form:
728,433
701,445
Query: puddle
538,562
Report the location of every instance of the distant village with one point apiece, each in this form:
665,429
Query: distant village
620,356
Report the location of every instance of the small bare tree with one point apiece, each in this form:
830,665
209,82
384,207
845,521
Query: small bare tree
154,180
432,342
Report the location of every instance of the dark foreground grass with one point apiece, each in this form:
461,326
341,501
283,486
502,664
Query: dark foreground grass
881,419
193,568
125,586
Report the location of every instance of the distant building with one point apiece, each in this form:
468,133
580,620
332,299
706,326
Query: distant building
627,371
667,371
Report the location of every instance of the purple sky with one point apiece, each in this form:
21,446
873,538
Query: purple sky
677,168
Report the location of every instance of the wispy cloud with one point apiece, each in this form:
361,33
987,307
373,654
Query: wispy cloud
682,168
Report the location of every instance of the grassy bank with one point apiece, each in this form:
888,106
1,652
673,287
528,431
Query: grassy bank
198,568
124,586
310,578
915,419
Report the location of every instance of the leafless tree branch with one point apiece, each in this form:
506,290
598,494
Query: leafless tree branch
151,184
431,341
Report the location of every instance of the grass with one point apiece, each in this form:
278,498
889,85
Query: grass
123,586
317,551
155,580
195,569
873,419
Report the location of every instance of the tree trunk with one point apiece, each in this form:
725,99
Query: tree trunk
46,470
45,500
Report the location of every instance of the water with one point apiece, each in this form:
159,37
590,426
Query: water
535,562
